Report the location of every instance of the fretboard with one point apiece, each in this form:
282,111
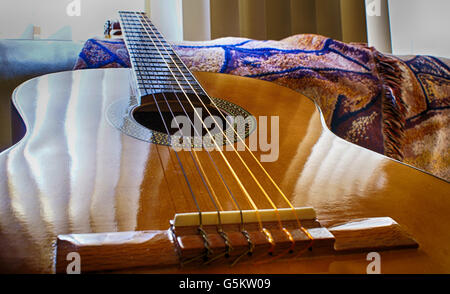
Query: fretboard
156,66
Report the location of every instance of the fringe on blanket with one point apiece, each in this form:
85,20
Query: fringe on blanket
394,107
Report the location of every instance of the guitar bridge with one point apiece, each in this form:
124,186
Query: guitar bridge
262,234
240,236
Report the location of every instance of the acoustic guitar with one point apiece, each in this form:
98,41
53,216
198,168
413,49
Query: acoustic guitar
156,169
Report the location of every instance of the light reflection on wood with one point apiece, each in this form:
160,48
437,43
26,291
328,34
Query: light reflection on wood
72,174
128,191
108,154
82,124
46,150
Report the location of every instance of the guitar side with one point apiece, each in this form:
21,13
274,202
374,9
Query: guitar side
74,172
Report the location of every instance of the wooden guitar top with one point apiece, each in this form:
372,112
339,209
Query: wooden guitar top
74,172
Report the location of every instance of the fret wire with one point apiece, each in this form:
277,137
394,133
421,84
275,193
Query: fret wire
223,180
267,196
145,58
245,191
196,165
136,70
237,206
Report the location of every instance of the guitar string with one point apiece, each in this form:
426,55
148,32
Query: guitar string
268,198
200,170
199,162
216,168
169,188
172,75
200,167
289,235
245,233
248,169
236,205
200,228
244,190
260,165
220,228
136,69
264,230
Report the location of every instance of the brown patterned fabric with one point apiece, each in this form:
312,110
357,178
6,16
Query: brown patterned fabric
395,106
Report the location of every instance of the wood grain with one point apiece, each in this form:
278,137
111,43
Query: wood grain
157,249
74,172
113,251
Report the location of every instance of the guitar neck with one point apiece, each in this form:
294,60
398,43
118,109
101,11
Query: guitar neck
156,66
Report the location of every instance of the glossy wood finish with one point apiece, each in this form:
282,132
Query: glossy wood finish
158,249
75,173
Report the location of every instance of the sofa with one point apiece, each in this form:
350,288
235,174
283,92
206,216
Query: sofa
21,60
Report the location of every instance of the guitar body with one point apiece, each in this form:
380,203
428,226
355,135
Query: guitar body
74,172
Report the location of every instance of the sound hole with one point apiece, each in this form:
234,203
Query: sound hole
149,115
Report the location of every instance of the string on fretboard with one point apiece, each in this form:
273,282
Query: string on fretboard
153,59
157,67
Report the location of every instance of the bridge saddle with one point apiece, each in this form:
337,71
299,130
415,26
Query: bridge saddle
238,234
243,235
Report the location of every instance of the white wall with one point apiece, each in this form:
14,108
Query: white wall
378,25
17,17
196,20
420,27
181,20
167,16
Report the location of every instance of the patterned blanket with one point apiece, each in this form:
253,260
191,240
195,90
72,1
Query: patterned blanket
396,106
